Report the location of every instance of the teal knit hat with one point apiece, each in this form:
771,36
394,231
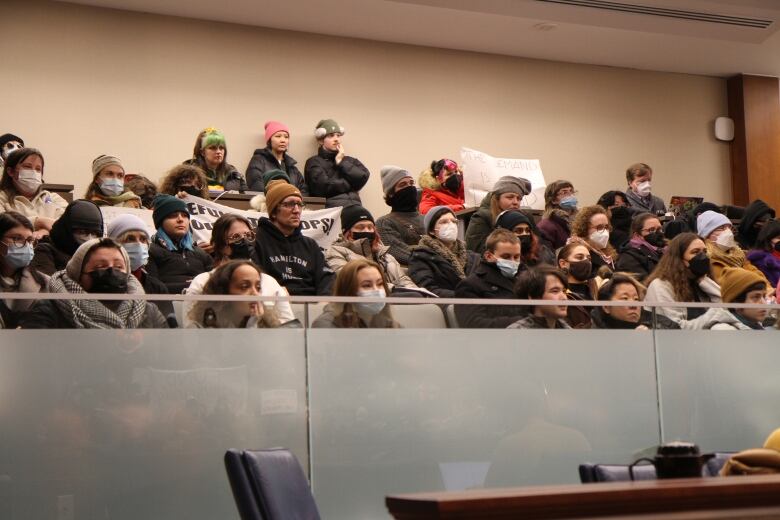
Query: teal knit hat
271,175
327,126
164,205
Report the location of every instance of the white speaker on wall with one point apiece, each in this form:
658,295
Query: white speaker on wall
724,129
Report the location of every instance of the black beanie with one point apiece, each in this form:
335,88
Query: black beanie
351,215
511,218
79,214
7,138
164,205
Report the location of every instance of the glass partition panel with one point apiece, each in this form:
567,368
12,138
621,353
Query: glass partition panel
719,389
397,411
134,424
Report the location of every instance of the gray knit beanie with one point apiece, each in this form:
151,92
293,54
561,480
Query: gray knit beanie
392,175
510,184
430,218
709,221
76,263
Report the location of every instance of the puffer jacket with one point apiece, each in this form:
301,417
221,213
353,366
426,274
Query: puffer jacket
432,271
339,184
264,160
343,251
434,194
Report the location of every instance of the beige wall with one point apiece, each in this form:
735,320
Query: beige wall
79,82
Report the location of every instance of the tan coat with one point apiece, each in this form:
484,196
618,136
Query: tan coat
343,251
44,204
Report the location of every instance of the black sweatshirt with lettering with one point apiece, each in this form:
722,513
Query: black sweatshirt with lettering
296,261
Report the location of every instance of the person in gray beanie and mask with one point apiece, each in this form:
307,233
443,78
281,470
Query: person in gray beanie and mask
99,266
402,228
507,193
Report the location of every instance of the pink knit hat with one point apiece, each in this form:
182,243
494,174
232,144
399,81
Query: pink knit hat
271,127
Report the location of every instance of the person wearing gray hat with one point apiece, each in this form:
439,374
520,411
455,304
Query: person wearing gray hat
402,228
108,184
507,193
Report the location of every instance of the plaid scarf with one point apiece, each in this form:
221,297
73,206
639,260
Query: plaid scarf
91,314
457,256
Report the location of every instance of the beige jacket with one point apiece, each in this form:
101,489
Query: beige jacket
44,204
343,251
661,292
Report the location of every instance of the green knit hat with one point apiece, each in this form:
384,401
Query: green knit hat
271,175
212,137
327,126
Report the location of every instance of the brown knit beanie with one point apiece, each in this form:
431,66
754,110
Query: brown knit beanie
276,191
734,281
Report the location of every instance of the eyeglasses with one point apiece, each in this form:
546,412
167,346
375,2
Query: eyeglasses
238,237
565,192
602,227
20,242
292,205
652,230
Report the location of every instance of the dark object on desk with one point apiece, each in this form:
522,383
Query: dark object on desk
619,472
241,200
269,485
676,460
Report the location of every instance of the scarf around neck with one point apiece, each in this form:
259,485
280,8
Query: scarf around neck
457,256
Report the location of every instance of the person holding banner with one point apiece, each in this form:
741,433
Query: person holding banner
174,257
442,185
402,228
108,184
506,194
331,173
274,157
560,204
210,155
294,260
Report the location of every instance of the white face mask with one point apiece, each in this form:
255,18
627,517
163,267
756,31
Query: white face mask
373,308
448,232
29,181
600,238
726,239
112,187
643,189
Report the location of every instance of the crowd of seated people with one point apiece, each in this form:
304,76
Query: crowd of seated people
623,248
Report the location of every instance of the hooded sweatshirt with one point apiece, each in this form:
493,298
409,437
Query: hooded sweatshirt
746,233
53,254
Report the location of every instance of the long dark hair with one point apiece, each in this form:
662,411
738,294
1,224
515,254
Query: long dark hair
13,159
12,219
219,231
672,268
768,232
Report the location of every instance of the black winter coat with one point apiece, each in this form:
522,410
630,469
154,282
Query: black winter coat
48,259
432,271
296,262
486,281
339,184
234,181
639,261
263,160
176,269
44,314
602,320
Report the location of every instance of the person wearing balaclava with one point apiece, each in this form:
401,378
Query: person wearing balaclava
639,177
442,185
108,184
81,222
620,214
359,239
718,233
8,144
532,247
402,228
507,193
756,215
98,266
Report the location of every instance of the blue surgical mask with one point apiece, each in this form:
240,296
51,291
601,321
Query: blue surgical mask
507,267
569,202
371,309
19,257
138,253
112,187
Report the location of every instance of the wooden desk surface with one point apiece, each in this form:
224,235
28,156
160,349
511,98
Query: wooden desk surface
593,500
241,200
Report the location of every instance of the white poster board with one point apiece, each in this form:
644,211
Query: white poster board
481,171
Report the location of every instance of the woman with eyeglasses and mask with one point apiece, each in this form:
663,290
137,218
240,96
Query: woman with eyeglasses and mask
81,221
574,259
238,278
232,238
643,252
17,244
560,204
20,190
533,250
363,278
682,275
442,185
185,179
591,228
99,266
108,184
440,261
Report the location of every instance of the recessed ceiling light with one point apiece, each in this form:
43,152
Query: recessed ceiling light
545,26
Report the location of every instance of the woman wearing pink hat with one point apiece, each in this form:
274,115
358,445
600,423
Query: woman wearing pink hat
274,157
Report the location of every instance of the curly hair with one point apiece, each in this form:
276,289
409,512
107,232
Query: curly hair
184,172
672,268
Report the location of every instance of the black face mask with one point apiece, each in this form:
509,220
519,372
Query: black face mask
368,235
621,217
656,238
452,183
404,200
192,190
699,265
525,243
108,281
580,270
241,250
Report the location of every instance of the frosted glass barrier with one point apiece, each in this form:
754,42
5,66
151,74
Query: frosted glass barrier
134,424
719,388
396,411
